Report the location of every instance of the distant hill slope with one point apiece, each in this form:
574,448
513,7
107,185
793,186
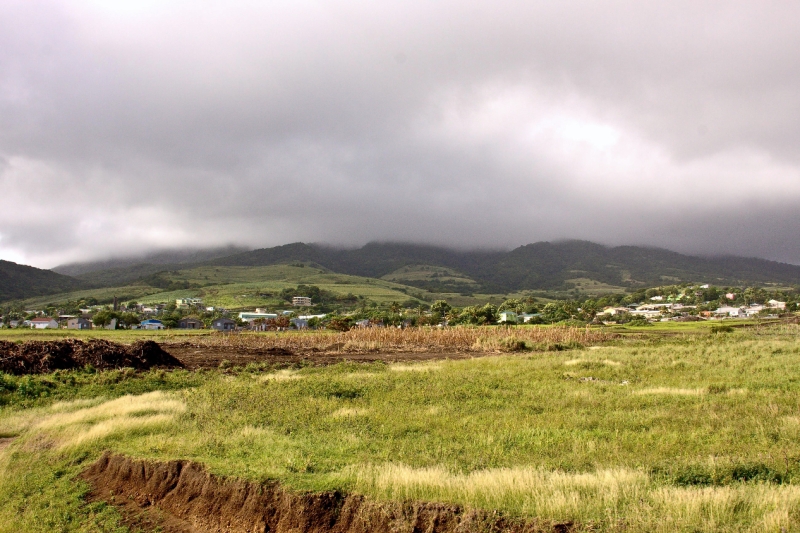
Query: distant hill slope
540,266
158,260
117,272
22,281
543,265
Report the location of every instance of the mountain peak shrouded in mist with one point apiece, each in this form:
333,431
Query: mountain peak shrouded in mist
538,266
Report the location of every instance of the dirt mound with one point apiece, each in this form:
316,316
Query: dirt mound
40,357
190,499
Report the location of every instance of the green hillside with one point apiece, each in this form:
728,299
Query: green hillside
384,272
539,266
22,281
243,288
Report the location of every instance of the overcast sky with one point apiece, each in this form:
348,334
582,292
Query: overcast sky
133,126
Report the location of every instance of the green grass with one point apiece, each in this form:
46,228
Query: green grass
119,335
689,433
106,294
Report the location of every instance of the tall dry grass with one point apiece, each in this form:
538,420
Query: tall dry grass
458,339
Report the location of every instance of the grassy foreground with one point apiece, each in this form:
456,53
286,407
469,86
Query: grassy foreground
692,433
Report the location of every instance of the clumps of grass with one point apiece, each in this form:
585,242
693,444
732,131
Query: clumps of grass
722,475
501,344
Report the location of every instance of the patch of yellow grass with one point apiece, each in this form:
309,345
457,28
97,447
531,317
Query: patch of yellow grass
608,362
281,375
420,367
672,391
72,425
767,507
535,492
346,412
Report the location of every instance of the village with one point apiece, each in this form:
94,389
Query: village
652,305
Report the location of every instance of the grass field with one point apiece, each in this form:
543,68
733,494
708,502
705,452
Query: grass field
689,432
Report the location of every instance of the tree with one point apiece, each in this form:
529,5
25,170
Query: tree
512,305
104,317
440,307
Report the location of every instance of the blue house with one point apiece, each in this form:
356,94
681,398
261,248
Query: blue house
151,324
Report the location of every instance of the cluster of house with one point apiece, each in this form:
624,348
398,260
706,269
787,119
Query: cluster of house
257,320
654,311
218,324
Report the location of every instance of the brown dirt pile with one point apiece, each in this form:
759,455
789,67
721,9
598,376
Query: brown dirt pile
40,357
186,498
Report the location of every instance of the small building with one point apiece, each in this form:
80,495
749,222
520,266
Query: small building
299,323
79,323
151,323
190,323
775,304
729,312
508,316
249,316
301,301
613,311
183,303
223,324
44,322
753,310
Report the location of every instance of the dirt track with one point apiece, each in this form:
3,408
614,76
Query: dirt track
194,357
181,497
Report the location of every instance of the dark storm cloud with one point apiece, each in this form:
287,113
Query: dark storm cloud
130,126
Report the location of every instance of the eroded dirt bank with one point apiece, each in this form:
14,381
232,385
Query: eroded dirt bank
180,496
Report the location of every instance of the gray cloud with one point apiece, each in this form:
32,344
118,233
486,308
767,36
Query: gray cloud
132,126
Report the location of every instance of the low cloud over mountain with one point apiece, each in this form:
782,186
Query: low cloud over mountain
136,126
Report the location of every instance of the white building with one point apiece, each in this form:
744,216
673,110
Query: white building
730,312
301,301
183,303
43,322
250,316
508,316
613,311
775,304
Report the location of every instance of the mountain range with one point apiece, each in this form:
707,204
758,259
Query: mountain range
554,266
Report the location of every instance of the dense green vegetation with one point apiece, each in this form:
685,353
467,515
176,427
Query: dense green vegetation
21,281
694,432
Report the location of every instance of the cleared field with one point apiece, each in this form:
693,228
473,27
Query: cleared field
683,433
591,286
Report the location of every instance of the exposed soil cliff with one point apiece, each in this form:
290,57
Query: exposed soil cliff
183,497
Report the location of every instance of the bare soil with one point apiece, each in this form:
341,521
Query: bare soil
195,357
5,442
182,497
